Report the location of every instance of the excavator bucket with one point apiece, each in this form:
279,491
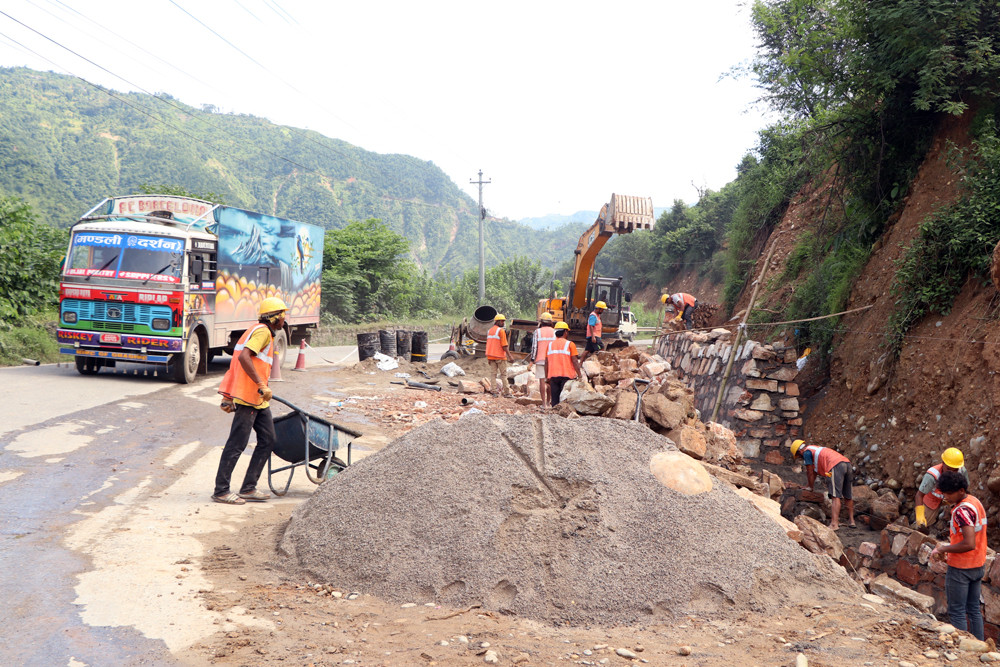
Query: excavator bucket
626,213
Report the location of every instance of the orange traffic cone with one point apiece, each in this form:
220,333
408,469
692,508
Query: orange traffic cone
275,370
300,363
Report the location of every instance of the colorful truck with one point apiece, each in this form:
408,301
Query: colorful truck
176,281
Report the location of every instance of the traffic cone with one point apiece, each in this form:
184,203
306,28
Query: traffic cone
300,363
275,370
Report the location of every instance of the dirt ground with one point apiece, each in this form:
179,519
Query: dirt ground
320,623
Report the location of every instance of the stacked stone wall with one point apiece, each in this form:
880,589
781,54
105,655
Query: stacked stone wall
761,403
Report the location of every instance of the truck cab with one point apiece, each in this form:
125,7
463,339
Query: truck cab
628,326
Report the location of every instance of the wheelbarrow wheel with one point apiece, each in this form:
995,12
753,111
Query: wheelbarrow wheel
335,464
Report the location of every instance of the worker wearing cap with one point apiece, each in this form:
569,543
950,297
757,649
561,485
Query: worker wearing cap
561,362
498,355
684,305
965,553
246,394
594,330
540,341
828,463
929,497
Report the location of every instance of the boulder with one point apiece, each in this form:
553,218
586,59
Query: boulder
513,370
886,587
689,440
863,499
587,402
775,486
722,444
591,367
819,538
653,368
680,472
772,511
525,379
564,410
885,507
624,406
663,411
469,387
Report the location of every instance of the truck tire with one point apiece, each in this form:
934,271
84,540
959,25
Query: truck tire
185,365
280,346
85,366
450,354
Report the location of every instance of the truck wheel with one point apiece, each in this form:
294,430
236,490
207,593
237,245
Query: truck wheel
450,354
280,346
86,366
185,365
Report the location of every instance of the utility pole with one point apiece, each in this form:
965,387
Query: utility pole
482,248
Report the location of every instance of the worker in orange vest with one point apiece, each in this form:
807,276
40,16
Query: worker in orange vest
594,326
498,355
928,497
561,363
825,461
965,553
246,395
684,305
540,341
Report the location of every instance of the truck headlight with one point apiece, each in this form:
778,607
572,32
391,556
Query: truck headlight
69,317
161,323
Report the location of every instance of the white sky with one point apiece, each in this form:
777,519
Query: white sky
559,103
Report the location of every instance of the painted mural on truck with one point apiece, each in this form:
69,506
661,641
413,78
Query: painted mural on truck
265,256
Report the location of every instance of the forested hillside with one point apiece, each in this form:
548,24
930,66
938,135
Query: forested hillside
65,145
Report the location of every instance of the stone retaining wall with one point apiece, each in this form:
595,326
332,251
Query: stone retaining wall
761,402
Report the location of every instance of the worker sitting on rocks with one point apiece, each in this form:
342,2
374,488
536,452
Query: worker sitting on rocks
684,305
966,553
540,341
825,461
929,496
498,355
561,363
594,326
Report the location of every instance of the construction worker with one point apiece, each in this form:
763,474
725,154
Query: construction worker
498,355
246,395
594,327
561,363
966,553
928,497
540,341
825,461
684,305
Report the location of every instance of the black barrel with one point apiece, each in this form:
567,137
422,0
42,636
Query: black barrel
387,341
418,346
367,345
403,339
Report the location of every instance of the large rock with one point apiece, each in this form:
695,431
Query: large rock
591,367
689,440
587,402
469,387
863,499
680,472
819,538
891,589
663,411
722,444
624,406
885,507
772,511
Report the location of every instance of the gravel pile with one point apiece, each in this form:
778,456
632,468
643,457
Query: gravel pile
548,518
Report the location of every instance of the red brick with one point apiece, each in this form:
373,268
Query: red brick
795,422
791,389
907,572
774,457
885,542
780,429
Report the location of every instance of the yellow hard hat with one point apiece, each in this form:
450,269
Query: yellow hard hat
499,318
663,299
546,317
953,458
562,325
271,304
601,304
796,445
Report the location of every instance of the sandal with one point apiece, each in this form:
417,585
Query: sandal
229,499
254,496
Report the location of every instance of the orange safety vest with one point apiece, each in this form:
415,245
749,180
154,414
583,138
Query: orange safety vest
683,299
236,383
559,362
596,329
544,340
496,341
934,498
977,557
825,459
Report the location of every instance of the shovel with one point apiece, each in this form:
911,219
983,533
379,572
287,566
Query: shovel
638,400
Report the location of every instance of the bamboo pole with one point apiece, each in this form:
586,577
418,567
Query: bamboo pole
741,328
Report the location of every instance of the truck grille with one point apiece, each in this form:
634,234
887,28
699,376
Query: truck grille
115,316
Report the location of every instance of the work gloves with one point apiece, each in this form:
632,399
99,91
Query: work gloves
678,318
921,518
264,391
227,405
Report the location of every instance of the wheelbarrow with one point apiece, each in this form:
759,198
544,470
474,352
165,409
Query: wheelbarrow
307,441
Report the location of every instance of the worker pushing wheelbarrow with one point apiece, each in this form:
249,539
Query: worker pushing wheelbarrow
305,440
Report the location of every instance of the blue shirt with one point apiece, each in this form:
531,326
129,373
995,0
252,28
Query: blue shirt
592,321
807,458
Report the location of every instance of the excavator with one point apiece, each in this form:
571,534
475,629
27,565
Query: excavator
623,214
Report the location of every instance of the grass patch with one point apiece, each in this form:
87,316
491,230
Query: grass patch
33,338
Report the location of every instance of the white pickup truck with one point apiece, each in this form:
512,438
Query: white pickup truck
628,326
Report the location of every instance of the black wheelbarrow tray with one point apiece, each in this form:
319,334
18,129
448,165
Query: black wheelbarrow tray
302,438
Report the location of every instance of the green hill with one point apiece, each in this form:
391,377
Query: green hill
65,145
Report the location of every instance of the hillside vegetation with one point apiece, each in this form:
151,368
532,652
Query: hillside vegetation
65,145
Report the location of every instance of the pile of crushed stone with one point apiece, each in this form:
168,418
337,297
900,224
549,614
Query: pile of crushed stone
547,518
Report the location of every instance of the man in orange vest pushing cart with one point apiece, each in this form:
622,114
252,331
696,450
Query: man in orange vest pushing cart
246,395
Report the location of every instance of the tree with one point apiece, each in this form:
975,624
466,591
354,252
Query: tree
30,256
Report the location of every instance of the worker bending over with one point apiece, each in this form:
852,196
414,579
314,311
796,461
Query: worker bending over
825,461
684,305
928,497
561,364
540,341
966,553
594,327
246,395
497,355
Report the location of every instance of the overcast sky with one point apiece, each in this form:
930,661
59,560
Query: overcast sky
559,103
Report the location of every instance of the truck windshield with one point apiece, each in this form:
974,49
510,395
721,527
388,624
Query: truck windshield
126,256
